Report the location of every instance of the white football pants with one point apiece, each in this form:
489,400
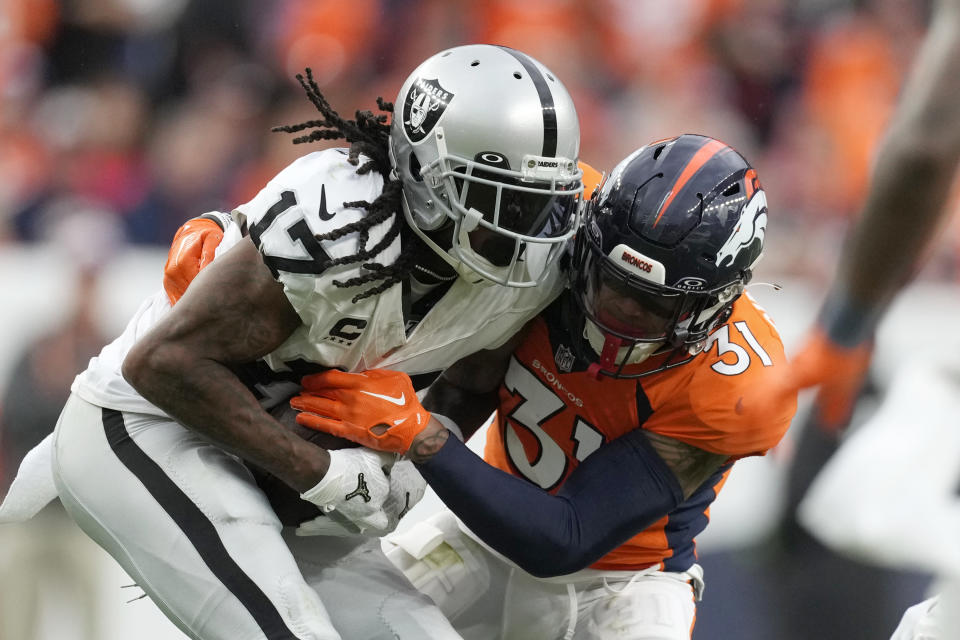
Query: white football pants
486,596
187,522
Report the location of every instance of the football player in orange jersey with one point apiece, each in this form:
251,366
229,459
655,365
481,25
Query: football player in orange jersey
889,493
620,414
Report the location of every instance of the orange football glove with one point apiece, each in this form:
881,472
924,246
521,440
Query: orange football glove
377,408
193,248
838,371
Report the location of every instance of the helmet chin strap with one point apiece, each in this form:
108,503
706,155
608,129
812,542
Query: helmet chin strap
612,352
608,356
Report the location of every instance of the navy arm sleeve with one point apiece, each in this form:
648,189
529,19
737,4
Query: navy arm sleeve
618,491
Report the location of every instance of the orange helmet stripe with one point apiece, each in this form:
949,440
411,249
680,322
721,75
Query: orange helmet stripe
700,158
750,178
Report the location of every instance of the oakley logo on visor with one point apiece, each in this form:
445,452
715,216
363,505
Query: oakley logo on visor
691,283
493,159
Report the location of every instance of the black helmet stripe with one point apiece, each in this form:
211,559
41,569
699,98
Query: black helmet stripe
546,102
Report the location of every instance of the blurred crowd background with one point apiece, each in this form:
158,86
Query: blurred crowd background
120,119
149,111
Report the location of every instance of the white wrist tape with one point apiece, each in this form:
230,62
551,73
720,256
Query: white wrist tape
329,491
221,219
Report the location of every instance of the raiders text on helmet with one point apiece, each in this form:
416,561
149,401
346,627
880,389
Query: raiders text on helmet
485,140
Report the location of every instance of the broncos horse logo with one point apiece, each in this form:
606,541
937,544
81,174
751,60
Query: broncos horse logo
751,226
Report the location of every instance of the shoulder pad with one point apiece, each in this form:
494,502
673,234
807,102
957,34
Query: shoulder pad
306,200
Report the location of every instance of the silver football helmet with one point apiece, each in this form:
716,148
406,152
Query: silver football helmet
486,139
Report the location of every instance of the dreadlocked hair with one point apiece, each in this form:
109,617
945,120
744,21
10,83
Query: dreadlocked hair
369,135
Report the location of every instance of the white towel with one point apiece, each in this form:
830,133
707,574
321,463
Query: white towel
33,488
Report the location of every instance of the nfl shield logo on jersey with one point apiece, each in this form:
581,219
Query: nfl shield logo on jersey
564,358
423,106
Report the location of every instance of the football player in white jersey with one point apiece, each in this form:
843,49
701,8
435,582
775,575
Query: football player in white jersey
423,242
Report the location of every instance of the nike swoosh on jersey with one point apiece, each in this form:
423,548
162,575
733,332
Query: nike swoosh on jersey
399,400
323,213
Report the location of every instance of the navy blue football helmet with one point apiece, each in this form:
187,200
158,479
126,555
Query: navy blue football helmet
668,244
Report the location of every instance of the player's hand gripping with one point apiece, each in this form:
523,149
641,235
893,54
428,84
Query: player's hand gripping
193,248
839,372
377,408
407,487
356,486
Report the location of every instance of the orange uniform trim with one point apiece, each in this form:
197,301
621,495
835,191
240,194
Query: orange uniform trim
750,178
591,179
700,158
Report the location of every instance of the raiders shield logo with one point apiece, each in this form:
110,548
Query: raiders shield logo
564,358
423,106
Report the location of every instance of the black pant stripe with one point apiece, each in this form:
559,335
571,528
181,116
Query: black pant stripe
198,529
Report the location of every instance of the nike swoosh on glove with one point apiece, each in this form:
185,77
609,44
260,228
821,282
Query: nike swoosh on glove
355,486
376,408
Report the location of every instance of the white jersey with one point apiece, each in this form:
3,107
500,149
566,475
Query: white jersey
305,200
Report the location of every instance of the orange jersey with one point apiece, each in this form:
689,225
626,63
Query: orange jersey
553,414
591,179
